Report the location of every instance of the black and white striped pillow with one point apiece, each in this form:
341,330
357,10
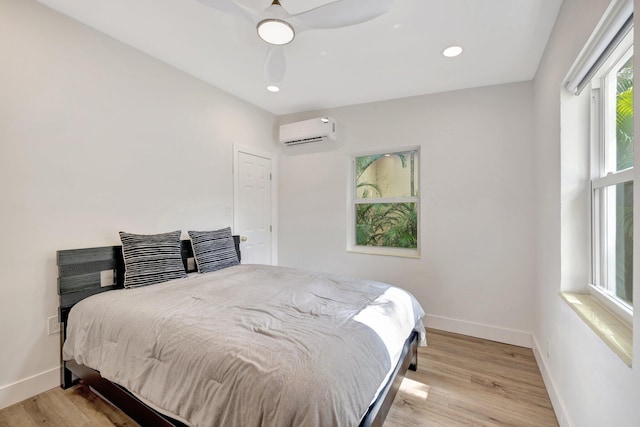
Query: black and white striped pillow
213,250
151,259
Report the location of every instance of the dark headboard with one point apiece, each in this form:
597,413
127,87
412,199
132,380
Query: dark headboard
82,272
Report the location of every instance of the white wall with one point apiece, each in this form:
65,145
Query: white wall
476,272
96,137
575,178
589,384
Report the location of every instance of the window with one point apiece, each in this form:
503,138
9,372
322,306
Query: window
612,179
597,183
384,208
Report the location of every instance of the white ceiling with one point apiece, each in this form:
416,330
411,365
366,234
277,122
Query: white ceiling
393,56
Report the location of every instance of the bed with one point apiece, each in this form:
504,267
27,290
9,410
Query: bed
245,345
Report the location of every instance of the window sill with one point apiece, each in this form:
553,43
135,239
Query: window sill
397,252
613,331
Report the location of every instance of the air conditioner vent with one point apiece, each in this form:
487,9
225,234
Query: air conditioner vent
304,140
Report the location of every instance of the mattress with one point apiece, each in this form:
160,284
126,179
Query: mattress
249,345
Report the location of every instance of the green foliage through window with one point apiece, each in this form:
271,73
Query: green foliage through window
387,224
624,193
386,210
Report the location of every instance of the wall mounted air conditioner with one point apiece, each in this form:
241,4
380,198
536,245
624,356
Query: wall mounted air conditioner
308,131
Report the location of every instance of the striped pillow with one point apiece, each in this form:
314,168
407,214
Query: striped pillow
151,259
213,250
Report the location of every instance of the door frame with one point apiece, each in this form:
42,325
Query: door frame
237,149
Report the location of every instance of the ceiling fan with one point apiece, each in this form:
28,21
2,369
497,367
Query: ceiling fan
276,27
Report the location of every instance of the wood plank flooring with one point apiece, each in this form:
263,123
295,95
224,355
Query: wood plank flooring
465,381
461,381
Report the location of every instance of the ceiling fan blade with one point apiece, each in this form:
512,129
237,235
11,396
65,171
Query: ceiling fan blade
233,8
275,64
341,13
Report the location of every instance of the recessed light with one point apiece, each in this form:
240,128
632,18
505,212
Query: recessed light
452,51
273,88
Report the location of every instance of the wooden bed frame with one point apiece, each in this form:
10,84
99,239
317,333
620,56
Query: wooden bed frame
83,272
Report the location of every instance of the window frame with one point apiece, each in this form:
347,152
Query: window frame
602,113
353,201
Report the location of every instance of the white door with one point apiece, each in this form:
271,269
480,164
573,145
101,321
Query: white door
253,207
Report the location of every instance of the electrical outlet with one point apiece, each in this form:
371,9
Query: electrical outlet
107,278
548,350
53,325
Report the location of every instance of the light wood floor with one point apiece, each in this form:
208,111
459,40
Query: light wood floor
461,381
464,381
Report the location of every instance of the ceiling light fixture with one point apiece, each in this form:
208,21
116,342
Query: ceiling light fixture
273,88
274,29
452,51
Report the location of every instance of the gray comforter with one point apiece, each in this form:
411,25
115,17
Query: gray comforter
248,345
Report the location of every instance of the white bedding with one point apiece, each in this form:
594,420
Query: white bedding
248,345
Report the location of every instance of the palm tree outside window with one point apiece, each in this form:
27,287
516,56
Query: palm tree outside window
386,202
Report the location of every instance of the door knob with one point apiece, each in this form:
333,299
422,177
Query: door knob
243,238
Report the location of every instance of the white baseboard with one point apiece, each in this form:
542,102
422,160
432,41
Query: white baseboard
478,330
556,400
29,387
